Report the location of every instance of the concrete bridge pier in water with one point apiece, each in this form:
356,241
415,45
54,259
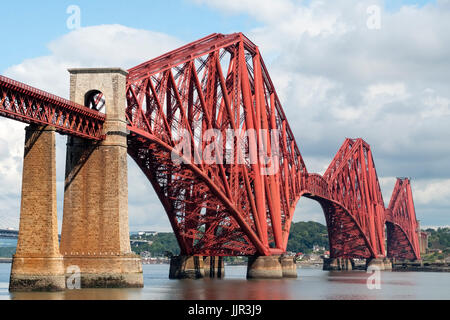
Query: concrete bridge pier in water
271,267
196,267
346,264
258,267
38,263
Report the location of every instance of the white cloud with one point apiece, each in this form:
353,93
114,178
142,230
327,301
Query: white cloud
389,91
432,191
98,46
11,156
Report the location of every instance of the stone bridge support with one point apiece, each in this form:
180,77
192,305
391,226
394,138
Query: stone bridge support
38,264
214,267
337,264
95,232
186,267
264,267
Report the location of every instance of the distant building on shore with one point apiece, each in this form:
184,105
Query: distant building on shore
317,248
147,233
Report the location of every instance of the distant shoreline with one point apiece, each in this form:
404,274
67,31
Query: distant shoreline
5,260
421,267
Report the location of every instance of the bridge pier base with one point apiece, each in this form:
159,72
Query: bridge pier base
289,267
387,264
375,263
38,264
214,267
95,232
337,264
186,267
264,267
107,270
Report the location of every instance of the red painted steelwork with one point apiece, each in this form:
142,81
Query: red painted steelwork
30,105
220,82
353,183
241,199
402,226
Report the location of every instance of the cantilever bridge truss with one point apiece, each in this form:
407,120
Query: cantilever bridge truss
233,194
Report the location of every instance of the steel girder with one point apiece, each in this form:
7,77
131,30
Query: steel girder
242,202
402,226
220,82
30,105
231,206
351,199
345,236
353,183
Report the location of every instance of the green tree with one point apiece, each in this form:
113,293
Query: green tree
304,235
439,239
161,243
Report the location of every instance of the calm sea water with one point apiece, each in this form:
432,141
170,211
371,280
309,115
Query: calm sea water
311,284
8,243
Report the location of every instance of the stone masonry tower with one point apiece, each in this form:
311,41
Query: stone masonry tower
38,264
95,232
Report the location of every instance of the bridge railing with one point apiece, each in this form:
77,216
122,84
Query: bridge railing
24,103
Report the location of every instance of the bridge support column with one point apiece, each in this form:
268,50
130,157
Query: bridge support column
95,233
186,267
264,267
38,264
375,263
330,264
214,267
387,264
346,264
337,264
289,267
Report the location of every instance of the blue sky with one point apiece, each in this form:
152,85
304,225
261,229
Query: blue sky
183,19
335,77
392,5
27,31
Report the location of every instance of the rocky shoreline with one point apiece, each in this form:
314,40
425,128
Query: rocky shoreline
423,267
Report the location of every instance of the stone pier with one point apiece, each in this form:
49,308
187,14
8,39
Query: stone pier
38,264
95,232
186,267
289,267
264,267
214,267
375,263
387,264
337,264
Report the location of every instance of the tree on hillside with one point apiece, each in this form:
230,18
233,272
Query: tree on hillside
304,235
439,239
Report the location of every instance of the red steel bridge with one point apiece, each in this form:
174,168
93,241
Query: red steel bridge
225,207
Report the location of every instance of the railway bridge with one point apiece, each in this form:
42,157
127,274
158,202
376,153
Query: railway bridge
205,125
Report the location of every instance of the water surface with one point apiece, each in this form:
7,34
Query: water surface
311,284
